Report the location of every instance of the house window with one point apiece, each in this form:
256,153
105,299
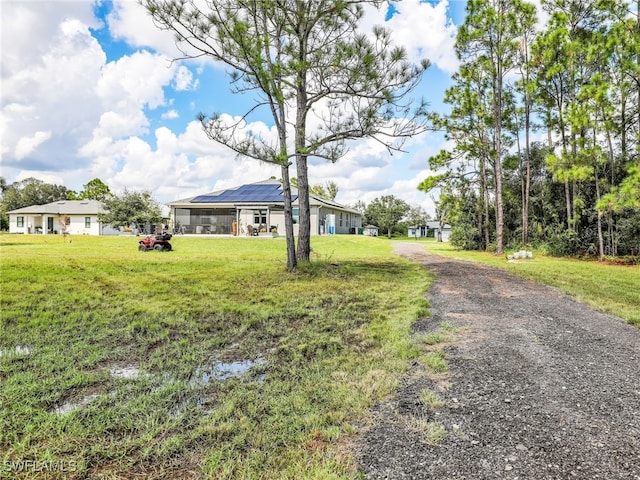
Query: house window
296,215
87,222
340,218
20,221
260,216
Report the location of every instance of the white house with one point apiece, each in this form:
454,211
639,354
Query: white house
429,230
257,207
76,217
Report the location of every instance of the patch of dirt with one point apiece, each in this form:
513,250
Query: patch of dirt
539,387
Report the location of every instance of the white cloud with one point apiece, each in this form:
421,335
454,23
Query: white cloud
48,86
28,27
43,175
26,145
170,115
135,81
422,28
183,79
129,21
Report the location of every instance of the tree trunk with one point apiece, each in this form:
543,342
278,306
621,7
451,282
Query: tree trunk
567,197
527,146
574,210
498,164
600,238
527,186
304,224
484,186
288,218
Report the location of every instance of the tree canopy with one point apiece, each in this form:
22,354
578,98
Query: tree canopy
30,191
328,191
95,189
131,207
577,80
386,212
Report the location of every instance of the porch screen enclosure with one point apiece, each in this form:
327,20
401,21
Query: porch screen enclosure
216,221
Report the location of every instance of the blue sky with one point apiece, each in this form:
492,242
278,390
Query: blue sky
89,90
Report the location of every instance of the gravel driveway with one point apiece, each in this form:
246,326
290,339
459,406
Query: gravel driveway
539,387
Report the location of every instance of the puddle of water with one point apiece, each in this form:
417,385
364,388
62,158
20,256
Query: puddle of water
71,406
128,372
224,370
19,350
201,402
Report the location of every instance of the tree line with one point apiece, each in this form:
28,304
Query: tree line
546,129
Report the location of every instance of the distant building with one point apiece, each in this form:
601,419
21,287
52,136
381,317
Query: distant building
370,230
257,208
430,229
77,217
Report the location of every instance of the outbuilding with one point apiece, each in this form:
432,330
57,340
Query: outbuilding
370,230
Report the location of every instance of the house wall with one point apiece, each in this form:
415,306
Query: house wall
345,221
446,233
429,231
13,223
77,225
40,224
417,232
275,218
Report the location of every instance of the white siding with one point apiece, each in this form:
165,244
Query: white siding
13,223
39,224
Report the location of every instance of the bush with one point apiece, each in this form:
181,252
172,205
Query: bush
562,244
465,238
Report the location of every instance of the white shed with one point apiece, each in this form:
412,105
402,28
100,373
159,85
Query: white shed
370,230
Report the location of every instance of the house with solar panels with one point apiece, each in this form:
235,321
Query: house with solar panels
257,208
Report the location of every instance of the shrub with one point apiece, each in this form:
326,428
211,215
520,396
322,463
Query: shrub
464,237
562,244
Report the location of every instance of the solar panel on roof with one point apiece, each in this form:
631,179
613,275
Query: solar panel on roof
268,192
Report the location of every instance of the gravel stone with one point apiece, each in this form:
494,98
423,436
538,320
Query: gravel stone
539,387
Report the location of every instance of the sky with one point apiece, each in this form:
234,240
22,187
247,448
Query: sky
89,90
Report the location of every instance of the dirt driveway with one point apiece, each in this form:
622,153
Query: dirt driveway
539,387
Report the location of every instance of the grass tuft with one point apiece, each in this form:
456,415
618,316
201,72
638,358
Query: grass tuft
435,361
430,399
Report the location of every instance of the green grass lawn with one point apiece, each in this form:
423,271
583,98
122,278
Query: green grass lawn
208,361
609,288
212,360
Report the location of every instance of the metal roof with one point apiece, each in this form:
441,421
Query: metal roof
64,207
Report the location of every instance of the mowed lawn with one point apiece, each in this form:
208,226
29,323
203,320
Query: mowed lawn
210,361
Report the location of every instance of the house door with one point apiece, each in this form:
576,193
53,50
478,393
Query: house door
49,224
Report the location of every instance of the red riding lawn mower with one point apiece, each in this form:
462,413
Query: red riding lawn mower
158,242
